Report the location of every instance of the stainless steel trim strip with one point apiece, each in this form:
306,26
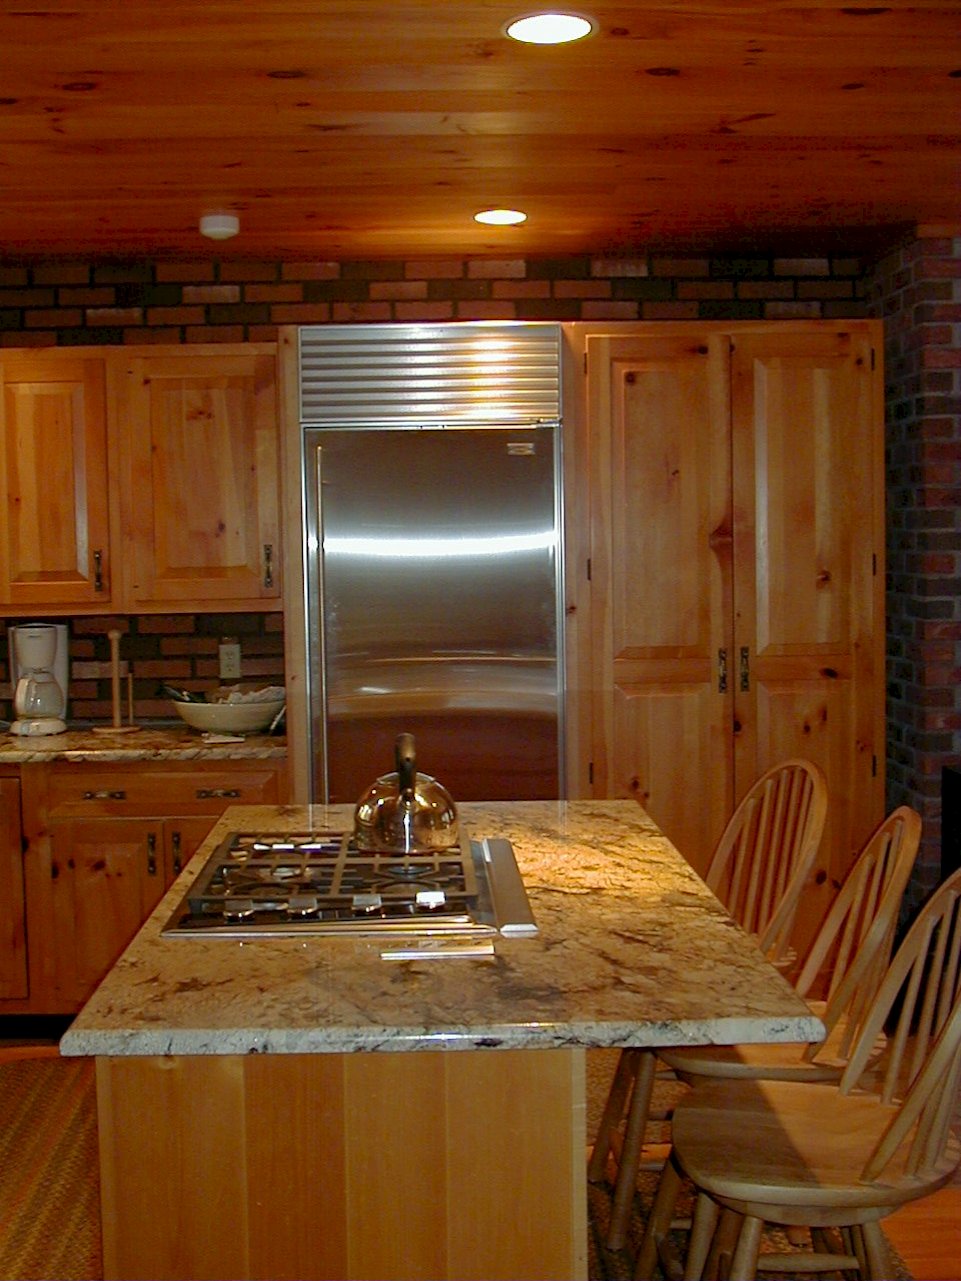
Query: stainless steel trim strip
438,375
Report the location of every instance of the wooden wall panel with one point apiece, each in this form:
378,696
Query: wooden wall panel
401,1166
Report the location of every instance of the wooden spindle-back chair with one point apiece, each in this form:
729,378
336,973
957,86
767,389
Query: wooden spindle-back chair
834,1158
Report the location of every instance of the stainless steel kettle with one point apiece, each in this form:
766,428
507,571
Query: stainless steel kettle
405,812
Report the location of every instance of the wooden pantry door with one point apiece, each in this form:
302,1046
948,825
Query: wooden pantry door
808,570
661,544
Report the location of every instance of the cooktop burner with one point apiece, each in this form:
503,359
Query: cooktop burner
319,882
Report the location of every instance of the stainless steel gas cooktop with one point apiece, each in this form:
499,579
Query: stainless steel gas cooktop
257,885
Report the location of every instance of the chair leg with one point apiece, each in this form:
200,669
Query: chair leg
877,1254
706,1214
659,1222
624,1074
626,1182
718,1267
852,1240
744,1263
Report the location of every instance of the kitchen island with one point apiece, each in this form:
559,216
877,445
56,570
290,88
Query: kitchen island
304,1107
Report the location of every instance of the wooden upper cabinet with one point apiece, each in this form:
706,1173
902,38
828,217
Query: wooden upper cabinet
199,450
55,527
661,576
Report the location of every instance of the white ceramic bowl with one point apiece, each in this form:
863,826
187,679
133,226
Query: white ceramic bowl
230,718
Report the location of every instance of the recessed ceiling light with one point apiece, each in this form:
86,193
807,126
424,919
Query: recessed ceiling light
219,226
550,28
500,217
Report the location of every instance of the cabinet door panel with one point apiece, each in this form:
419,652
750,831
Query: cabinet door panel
683,791
661,553
109,873
54,538
13,944
202,472
807,608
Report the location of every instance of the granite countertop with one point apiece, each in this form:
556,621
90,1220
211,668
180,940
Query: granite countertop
147,743
632,949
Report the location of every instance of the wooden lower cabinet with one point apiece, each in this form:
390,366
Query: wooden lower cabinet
13,944
468,1164
110,874
103,843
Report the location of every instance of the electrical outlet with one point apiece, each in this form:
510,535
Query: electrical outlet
229,655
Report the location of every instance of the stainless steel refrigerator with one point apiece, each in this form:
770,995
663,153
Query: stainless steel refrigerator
433,558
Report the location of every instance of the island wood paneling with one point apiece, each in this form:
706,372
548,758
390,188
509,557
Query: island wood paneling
393,1165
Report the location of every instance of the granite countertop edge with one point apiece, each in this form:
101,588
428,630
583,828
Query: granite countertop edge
147,743
241,1041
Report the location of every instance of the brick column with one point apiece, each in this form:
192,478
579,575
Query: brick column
917,290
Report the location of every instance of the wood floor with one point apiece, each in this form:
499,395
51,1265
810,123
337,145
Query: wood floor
927,1235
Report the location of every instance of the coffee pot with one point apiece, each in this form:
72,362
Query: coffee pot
39,698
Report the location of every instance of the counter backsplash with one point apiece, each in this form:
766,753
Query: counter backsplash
178,649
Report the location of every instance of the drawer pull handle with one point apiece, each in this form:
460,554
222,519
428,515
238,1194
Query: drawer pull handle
175,843
105,795
98,570
151,854
217,793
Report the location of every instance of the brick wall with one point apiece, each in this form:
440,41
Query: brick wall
175,649
917,289
70,303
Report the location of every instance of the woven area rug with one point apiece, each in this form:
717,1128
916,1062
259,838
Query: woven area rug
49,1189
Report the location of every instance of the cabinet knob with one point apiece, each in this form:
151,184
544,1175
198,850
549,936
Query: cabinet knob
217,793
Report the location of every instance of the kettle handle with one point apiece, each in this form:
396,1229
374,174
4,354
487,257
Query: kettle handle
406,764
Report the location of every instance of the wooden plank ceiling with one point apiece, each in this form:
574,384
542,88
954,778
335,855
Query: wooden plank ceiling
360,129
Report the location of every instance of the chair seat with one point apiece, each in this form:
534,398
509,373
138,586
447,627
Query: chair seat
808,1145
778,1062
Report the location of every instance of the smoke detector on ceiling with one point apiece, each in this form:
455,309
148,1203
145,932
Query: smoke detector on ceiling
219,226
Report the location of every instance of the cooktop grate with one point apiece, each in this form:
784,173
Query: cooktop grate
294,883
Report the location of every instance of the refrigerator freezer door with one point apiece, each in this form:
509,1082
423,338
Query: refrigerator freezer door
433,595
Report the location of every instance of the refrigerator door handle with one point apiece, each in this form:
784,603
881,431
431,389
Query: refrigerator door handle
316,665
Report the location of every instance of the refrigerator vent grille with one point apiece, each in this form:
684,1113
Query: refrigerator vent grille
429,375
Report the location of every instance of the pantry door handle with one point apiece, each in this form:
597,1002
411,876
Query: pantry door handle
745,669
722,671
